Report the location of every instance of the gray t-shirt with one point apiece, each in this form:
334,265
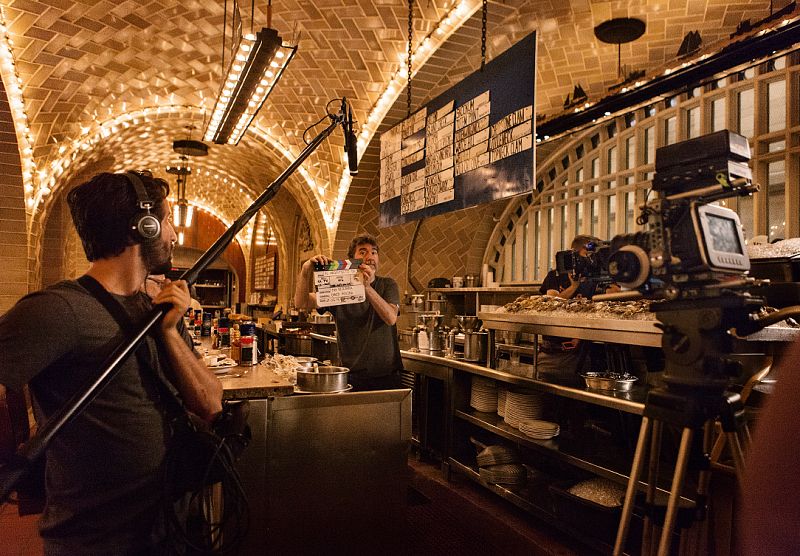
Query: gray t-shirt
367,345
103,468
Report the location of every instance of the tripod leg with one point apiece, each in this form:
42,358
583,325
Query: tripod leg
649,527
737,453
675,491
630,492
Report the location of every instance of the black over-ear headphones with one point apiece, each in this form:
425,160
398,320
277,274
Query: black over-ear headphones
144,224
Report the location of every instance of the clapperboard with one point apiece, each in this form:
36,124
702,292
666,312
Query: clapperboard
339,283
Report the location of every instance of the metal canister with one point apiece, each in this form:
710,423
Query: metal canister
248,344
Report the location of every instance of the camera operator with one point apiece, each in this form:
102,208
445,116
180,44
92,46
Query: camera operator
559,358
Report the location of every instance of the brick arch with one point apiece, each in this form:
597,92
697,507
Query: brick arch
15,256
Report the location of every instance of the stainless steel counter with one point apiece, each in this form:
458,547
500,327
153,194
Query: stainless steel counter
581,326
327,473
630,402
619,331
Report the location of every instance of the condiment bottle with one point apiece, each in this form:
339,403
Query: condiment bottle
248,344
224,331
236,352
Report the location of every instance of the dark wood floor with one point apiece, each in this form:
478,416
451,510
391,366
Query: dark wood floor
456,517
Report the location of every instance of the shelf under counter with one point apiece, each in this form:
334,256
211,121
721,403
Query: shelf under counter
552,447
629,402
545,514
617,471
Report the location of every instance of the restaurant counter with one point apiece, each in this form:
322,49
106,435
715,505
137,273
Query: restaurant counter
253,382
311,453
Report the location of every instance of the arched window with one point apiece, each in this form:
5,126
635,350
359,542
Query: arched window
595,182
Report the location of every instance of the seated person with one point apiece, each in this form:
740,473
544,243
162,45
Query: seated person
559,358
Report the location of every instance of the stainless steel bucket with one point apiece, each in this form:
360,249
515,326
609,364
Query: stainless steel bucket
475,344
322,379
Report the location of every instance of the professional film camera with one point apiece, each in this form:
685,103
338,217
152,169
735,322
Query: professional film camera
692,248
593,266
692,257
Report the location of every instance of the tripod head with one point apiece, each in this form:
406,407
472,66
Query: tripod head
697,341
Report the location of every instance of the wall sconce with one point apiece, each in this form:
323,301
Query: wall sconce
254,71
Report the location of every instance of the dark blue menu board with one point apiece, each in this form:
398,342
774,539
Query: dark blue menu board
470,145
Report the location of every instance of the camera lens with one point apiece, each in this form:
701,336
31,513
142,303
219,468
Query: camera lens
629,266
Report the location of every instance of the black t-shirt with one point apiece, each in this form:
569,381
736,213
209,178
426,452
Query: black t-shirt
558,282
104,467
367,345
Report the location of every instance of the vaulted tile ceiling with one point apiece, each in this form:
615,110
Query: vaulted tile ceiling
110,84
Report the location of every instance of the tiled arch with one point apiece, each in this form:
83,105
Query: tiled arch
15,258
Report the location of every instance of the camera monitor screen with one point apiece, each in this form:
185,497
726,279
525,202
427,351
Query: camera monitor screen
721,238
724,234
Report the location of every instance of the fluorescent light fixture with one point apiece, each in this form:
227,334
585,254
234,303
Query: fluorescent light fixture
254,71
180,238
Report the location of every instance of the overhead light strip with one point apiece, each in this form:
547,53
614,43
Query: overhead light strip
255,70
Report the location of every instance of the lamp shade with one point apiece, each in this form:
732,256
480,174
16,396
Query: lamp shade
190,147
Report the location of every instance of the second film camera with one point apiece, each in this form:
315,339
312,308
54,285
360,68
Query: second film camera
592,266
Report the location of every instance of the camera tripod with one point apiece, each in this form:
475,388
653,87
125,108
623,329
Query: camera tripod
698,372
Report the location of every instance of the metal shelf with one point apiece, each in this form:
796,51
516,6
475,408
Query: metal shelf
522,502
495,424
524,349
509,495
629,402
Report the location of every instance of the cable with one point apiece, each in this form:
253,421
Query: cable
328,114
188,521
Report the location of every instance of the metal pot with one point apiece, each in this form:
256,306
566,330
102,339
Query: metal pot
472,281
322,379
307,362
609,381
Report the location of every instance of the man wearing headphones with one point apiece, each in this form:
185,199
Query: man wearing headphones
103,476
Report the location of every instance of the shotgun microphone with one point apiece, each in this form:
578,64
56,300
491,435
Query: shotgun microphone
350,142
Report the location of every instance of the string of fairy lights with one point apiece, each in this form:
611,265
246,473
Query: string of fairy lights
39,183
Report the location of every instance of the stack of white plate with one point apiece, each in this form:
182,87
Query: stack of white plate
507,474
483,396
541,430
521,405
501,401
